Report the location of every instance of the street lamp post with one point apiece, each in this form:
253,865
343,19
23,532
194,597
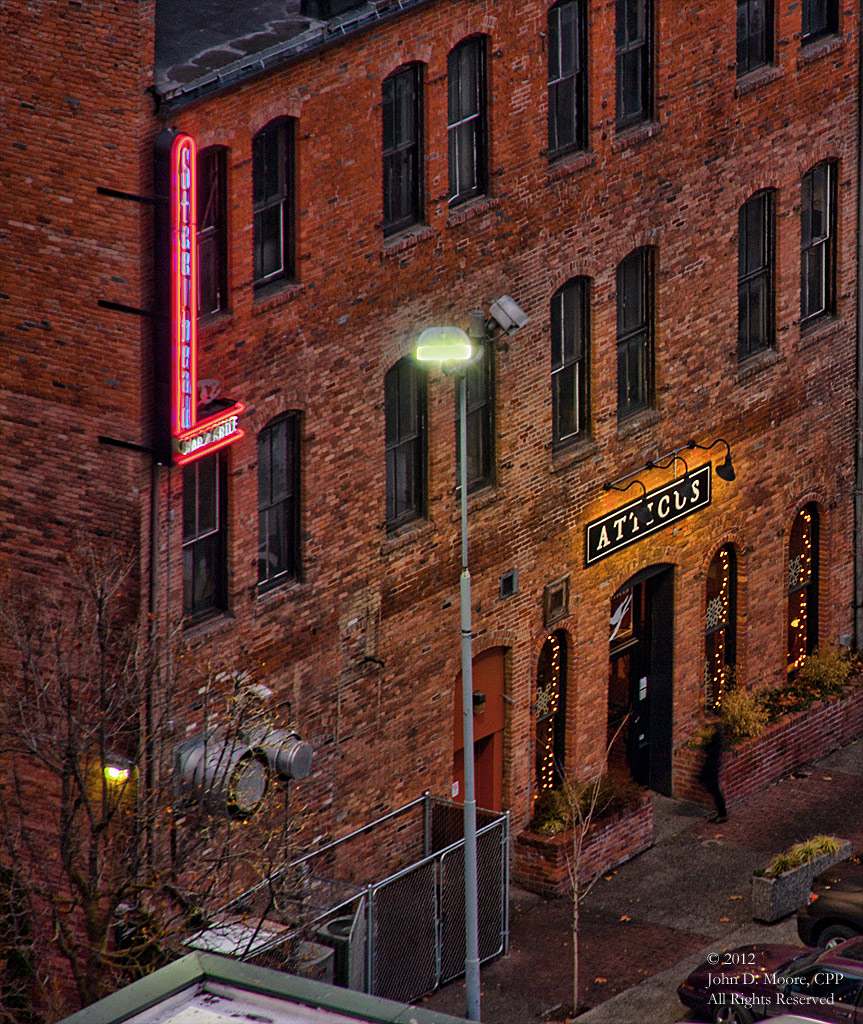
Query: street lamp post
450,345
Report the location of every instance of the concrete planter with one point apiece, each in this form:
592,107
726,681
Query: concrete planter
775,898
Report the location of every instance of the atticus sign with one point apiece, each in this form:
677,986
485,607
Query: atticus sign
191,437
666,505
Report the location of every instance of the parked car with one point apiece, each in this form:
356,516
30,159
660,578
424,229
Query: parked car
792,1018
835,909
739,986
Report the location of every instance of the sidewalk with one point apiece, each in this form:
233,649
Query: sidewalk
645,925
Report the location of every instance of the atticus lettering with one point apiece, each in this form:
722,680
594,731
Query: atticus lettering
665,505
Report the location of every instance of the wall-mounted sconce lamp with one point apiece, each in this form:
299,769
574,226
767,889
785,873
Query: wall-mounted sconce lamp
673,458
641,512
725,471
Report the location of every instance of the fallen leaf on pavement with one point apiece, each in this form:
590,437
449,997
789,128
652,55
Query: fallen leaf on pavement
625,917
827,778
735,897
600,981
724,918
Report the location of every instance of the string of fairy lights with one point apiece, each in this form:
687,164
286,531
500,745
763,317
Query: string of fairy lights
799,578
716,669
719,675
548,701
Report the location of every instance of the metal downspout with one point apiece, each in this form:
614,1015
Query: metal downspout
858,425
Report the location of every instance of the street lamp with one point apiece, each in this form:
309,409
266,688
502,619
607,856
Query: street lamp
453,350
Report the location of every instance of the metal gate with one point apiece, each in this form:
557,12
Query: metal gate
400,937
416,917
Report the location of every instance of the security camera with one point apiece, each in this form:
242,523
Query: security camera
507,314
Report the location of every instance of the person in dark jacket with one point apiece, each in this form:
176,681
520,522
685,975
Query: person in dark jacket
710,772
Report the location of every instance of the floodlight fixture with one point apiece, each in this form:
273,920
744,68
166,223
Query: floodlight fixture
506,313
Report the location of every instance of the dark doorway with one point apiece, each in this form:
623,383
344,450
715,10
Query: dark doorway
640,678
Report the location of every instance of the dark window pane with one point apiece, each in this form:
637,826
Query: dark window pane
480,417
569,336
278,501
634,334
204,565
190,503
404,401
466,120
754,34
208,517
212,231
271,194
567,78
819,18
402,150
633,60
755,275
818,242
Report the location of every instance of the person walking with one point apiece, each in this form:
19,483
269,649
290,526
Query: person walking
710,772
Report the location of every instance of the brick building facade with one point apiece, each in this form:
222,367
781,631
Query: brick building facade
672,201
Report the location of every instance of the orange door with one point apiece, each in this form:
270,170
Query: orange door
488,726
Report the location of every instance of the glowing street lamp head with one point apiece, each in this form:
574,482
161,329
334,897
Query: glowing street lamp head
444,345
114,773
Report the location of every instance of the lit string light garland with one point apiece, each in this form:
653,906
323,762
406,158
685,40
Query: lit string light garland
799,579
547,704
716,670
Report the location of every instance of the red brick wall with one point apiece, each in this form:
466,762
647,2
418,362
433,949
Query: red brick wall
381,727
324,346
794,741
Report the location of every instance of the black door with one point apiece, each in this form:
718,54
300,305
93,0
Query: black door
640,679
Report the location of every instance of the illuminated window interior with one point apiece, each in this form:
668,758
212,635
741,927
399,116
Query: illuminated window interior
551,713
720,627
802,587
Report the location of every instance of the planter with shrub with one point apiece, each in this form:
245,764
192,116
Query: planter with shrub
784,885
621,826
769,732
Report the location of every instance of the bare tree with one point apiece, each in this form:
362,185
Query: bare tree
586,802
106,865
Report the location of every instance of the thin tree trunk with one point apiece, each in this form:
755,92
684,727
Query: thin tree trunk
575,904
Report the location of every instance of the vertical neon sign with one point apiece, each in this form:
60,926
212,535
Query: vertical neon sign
192,438
184,247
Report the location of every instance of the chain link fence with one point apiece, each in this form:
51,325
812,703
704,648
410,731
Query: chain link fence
400,936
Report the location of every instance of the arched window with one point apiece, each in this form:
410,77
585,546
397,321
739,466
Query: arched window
279,501
402,148
720,627
466,124
273,201
803,587
551,713
570,332
635,333
567,76
405,405
212,230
